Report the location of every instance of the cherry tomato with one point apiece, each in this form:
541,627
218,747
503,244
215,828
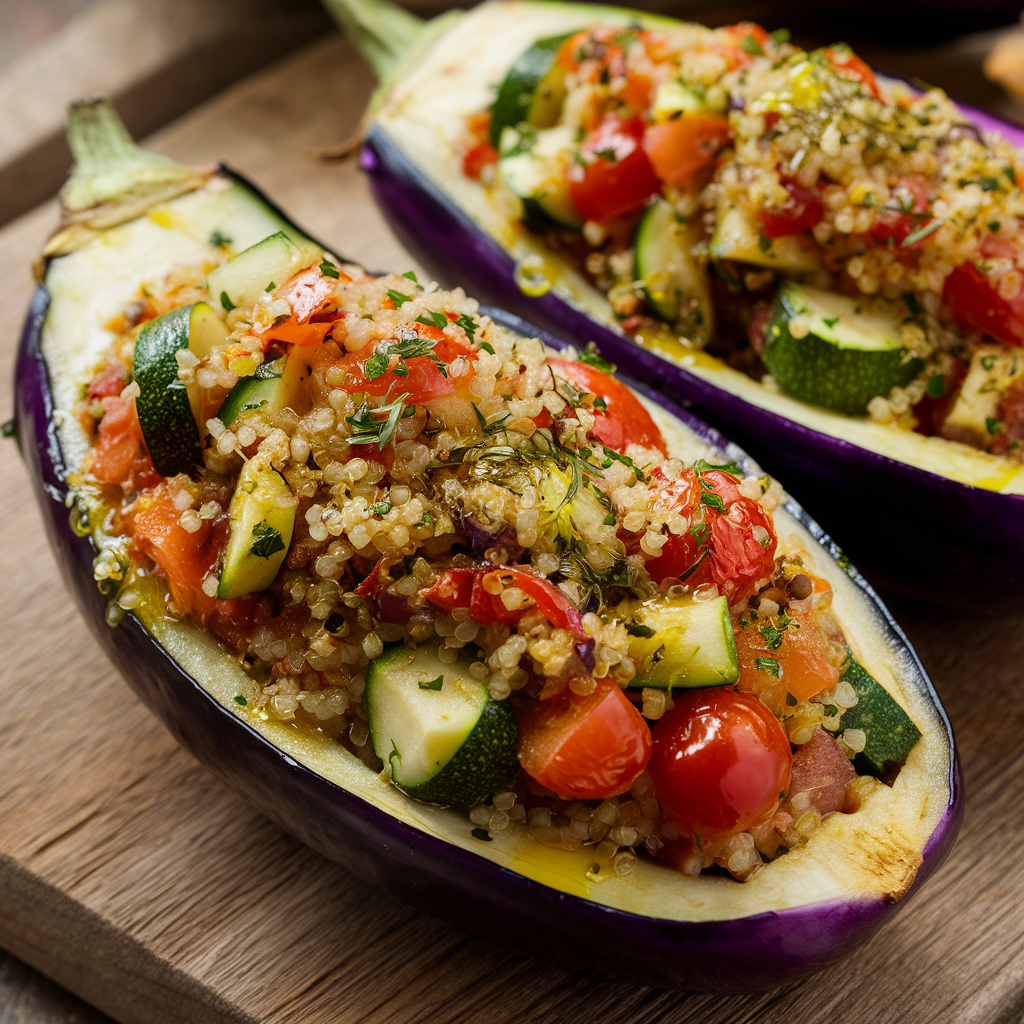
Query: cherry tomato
800,213
720,762
624,420
849,65
976,304
725,547
776,661
905,212
615,176
587,748
678,149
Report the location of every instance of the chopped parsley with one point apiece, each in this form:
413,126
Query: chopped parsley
411,275
219,240
764,243
490,428
328,269
769,665
226,302
438,320
611,456
239,699
772,637
993,226
382,508
432,684
1011,174
469,325
609,520
936,386
607,154
830,321
270,287
748,44
638,629
370,430
791,701
992,424
988,183
377,365
592,357
398,298
267,541
781,35
987,362
487,347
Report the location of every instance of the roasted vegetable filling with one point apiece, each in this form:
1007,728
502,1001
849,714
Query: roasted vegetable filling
481,565
843,239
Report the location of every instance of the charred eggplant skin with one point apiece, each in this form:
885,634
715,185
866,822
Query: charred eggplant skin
968,547
742,954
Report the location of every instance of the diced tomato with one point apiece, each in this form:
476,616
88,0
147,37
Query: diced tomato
476,158
776,661
309,292
587,748
615,177
822,771
471,588
637,92
800,213
120,455
624,420
185,559
720,762
678,149
905,212
108,383
849,65
976,304
740,43
734,548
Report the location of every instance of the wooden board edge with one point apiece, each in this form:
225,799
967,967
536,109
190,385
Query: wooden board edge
101,964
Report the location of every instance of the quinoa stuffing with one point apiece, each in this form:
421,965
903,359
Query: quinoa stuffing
481,565
842,238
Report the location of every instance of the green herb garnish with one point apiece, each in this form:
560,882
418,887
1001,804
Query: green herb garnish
267,541
769,665
226,302
772,637
328,269
433,684
592,357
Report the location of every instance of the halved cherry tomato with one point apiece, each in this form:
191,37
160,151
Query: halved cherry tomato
624,420
587,748
723,548
678,149
801,212
615,176
775,661
976,304
905,212
465,588
720,763
848,64
120,455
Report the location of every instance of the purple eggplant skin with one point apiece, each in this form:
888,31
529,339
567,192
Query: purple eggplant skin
914,532
744,954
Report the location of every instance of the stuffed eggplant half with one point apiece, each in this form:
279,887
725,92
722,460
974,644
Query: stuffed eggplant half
825,264
536,651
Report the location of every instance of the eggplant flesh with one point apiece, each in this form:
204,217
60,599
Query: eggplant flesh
656,925
852,472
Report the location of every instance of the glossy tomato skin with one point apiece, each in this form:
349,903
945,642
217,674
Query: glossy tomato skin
588,747
624,420
801,212
615,177
976,304
720,761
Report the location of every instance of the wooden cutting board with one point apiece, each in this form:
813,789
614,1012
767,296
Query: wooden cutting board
135,879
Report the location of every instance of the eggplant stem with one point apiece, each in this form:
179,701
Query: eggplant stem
383,32
108,163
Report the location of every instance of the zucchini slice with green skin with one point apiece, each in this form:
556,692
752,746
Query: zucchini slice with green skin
676,285
260,268
737,238
533,90
446,741
274,386
262,517
683,644
165,412
533,167
844,352
890,733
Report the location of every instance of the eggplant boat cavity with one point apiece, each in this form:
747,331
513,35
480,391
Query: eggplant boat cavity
457,606
825,263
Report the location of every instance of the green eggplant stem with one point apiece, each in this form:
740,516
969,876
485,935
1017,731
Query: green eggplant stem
383,32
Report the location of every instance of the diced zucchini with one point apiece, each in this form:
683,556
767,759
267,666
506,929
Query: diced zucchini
975,415
274,386
446,741
843,352
890,733
533,90
534,166
681,644
262,517
245,277
166,414
739,238
676,285
673,99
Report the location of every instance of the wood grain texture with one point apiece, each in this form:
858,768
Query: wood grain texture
135,879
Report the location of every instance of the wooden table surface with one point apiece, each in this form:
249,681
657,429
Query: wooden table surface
137,881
